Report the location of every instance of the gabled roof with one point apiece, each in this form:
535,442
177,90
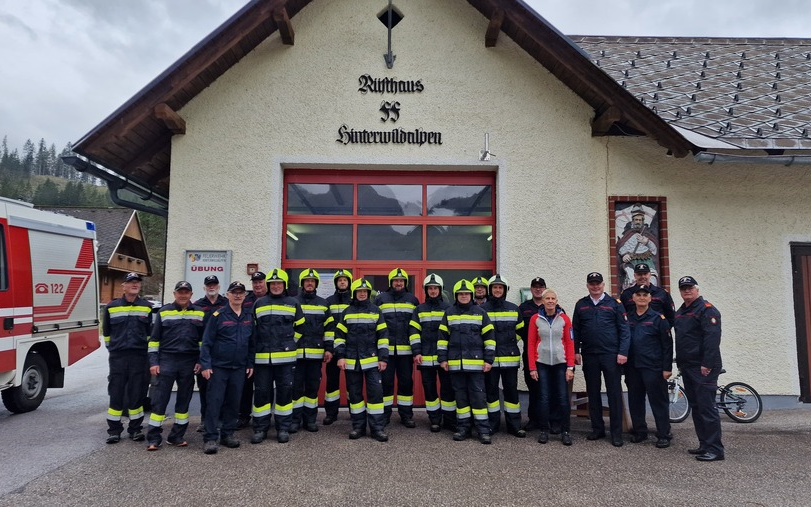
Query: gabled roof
112,225
735,93
135,140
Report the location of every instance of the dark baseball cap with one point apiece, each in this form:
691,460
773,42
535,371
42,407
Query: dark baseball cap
687,281
258,276
183,285
641,288
133,277
236,286
641,268
211,279
594,277
537,281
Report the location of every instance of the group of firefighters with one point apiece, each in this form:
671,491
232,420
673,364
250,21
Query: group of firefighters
268,347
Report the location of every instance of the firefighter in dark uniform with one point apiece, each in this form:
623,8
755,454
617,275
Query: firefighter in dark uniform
698,355
125,326
174,354
226,359
313,351
466,349
362,349
424,334
601,342
660,300
397,305
507,323
212,301
479,290
650,364
260,289
337,303
279,322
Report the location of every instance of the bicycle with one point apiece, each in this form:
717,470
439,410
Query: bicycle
738,400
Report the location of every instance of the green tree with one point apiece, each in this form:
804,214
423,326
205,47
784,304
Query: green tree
46,194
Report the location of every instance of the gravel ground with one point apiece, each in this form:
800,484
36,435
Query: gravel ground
766,465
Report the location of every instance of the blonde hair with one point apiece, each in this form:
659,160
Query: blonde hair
549,291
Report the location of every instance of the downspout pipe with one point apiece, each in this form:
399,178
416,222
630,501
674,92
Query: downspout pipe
722,158
116,183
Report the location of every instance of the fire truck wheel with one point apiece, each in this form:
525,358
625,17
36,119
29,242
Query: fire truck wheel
29,394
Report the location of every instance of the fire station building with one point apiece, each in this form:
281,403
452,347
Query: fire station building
469,137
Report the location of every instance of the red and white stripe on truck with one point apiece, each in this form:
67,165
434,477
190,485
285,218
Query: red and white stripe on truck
48,300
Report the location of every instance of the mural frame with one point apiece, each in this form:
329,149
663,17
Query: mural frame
626,203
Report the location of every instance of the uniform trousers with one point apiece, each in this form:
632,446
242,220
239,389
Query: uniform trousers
370,410
605,365
266,377
223,396
306,382
701,392
441,408
128,379
402,366
648,382
332,397
468,389
512,407
173,368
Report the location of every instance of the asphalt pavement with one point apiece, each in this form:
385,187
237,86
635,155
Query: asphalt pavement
57,455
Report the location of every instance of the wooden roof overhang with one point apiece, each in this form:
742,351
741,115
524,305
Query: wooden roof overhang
135,140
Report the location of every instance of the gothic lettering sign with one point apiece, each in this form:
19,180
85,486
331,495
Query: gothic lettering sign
390,111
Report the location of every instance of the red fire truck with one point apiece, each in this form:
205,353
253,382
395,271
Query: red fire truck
48,300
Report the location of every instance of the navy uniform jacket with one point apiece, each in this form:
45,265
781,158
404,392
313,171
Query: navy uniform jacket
698,335
361,336
228,340
425,329
314,340
651,343
466,339
279,321
397,308
507,324
176,331
660,301
600,328
125,326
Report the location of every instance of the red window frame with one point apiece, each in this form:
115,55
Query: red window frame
389,177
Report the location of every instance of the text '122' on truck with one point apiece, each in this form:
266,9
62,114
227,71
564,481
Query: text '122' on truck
48,300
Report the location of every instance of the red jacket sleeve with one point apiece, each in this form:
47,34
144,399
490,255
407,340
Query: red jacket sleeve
568,340
532,343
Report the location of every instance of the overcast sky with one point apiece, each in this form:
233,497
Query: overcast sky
65,65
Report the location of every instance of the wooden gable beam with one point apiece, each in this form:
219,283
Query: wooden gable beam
285,26
602,122
173,121
493,29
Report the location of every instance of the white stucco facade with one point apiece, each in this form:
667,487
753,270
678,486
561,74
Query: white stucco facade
281,106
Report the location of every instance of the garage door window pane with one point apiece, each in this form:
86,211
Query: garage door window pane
318,199
460,200
460,243
390,200
319,241
390,242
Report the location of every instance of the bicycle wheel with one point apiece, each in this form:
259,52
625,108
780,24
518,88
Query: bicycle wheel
679,407
741,402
